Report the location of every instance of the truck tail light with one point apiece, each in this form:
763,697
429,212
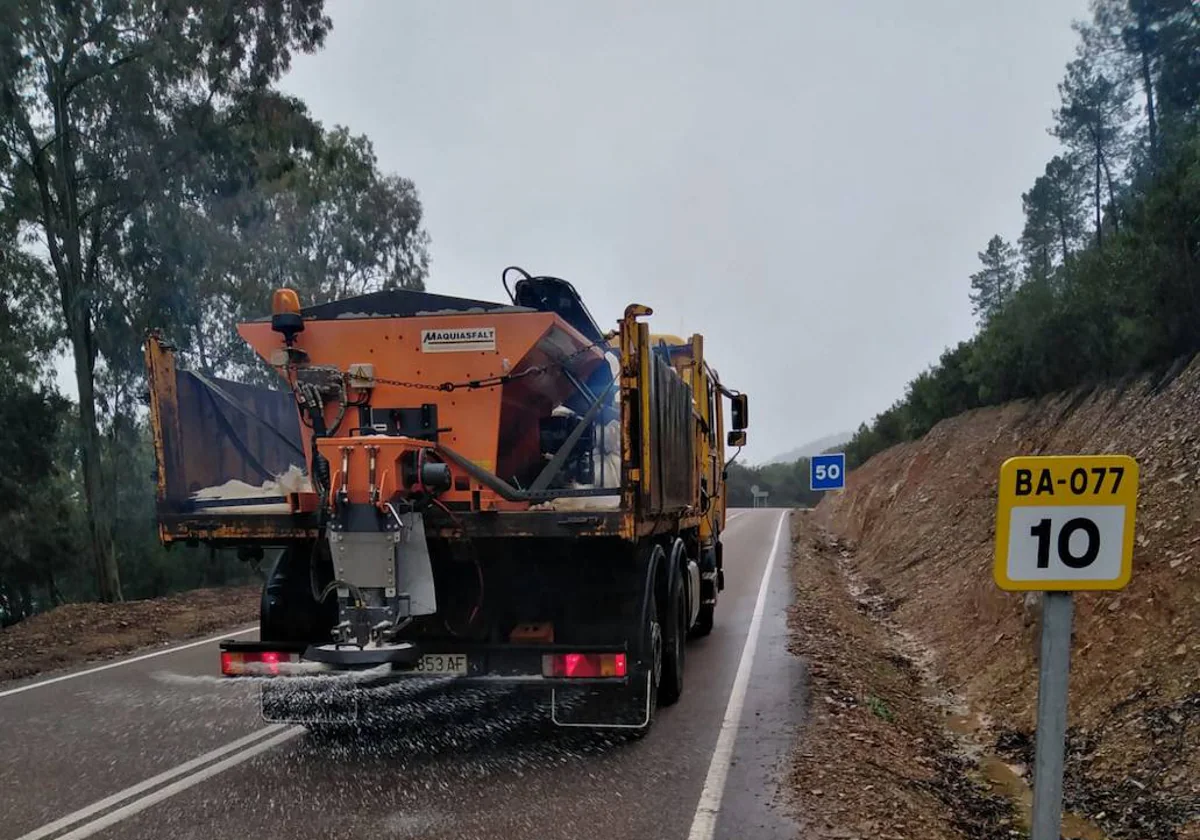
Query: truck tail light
584,665
259,662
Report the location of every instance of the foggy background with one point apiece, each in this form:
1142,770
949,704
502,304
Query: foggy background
806,184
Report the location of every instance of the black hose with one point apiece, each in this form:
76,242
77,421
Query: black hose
504,280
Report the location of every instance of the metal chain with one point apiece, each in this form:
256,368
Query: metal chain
489,382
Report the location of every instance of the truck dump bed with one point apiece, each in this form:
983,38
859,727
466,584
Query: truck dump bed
227,453
495,387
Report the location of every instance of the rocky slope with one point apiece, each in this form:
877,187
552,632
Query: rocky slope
920,519
873,758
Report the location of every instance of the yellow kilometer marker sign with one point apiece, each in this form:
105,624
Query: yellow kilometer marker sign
1065,523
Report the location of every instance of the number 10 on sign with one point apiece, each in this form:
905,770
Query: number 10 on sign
1065,523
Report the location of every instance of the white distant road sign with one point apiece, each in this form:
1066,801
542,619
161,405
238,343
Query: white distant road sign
1065,523
758,497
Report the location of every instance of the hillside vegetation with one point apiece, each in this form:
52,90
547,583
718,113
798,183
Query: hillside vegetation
153,175
1104,278
919,519
786,483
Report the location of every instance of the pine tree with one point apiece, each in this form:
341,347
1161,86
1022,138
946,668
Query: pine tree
993,285
1053,220
1092,122
1123,37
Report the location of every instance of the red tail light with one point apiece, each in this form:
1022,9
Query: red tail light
584,665
262,662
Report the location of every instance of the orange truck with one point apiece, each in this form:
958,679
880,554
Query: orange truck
458,490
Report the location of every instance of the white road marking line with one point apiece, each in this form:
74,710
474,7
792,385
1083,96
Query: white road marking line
119,663
139,805
149,784
704,823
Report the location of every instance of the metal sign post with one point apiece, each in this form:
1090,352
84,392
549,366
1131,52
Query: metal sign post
1054,668
758,497
1062,524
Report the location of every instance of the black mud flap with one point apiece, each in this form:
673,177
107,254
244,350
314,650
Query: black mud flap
604,707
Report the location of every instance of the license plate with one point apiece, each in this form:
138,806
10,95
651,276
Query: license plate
442,663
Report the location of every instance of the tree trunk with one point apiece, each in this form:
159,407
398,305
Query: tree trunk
1112,195
61,222
1062,234
74,288
1099,230
1147,81
108,578
56,597
202,347
214,574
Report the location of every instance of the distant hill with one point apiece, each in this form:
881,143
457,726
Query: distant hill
816,447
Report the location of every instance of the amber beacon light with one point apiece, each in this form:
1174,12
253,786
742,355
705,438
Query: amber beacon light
285,314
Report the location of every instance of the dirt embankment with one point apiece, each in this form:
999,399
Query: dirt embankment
874,760
77,633
920,519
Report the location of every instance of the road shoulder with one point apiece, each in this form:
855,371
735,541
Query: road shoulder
88,633
874,758
755,789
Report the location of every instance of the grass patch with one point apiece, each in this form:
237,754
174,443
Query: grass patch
880,709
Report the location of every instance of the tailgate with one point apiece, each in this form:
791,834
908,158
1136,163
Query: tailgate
229,456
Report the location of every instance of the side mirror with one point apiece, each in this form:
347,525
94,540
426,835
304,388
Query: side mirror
741,411
737,438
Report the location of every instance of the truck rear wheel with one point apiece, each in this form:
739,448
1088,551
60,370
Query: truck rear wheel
710,564
288,612
649,677
637,693
674,638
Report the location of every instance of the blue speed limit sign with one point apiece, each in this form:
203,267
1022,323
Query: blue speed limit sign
827,472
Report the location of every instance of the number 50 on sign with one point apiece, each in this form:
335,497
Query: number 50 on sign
1065,522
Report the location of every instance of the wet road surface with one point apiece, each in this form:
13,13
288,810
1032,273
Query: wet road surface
160,747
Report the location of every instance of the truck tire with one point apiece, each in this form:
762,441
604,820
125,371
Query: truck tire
704,621
650,655
674,637
653,641
288,612
710,563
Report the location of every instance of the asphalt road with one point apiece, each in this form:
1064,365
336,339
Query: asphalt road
159,747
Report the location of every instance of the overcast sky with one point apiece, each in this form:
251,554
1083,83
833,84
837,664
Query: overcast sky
806,184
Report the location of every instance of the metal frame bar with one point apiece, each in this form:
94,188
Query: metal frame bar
551,470
507,491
